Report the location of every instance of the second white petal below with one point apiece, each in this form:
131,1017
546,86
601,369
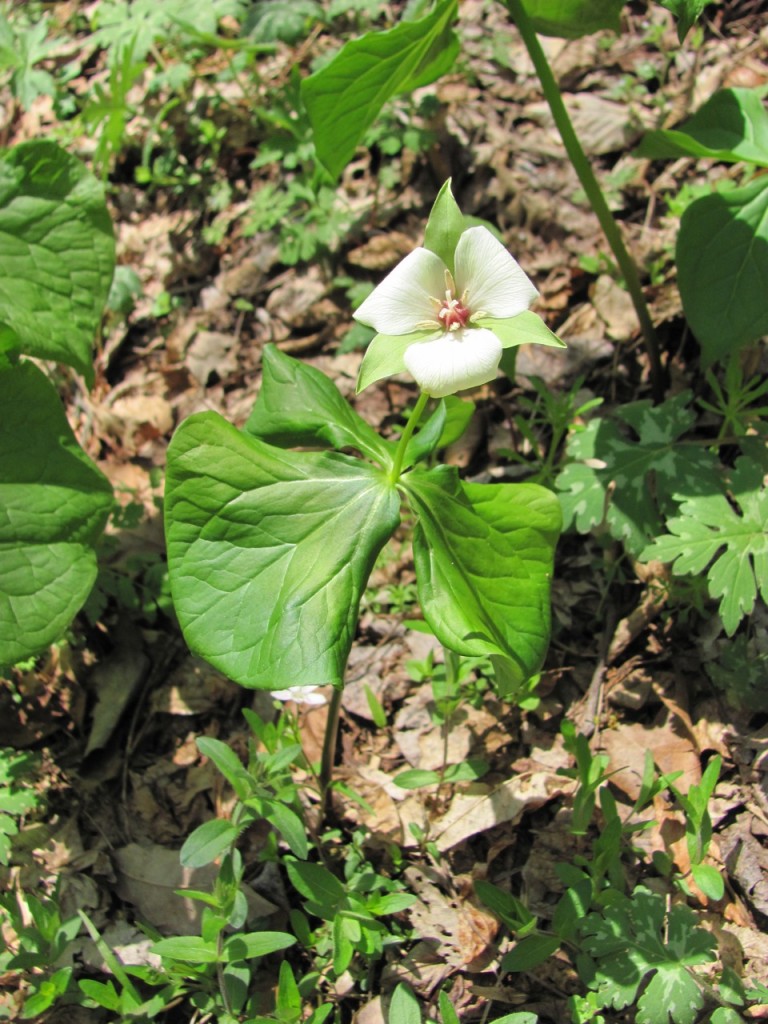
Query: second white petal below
455,361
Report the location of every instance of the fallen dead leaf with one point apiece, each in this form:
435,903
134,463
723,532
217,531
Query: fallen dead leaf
481,807
148,877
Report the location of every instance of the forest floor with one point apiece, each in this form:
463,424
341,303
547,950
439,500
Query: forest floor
113,713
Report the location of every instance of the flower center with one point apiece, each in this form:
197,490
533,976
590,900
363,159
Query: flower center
453,314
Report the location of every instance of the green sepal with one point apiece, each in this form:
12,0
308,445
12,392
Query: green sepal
524,329
269,552
445,226
484,555
384,356
298,406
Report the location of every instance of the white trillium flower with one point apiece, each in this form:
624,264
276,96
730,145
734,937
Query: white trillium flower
422,294
301,695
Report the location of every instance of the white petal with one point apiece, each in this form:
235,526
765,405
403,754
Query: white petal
456,360
300,694
494,281
402,302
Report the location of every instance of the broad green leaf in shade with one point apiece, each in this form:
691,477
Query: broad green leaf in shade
316,883
289,825
246,946
709,880
192,949
344,98
570,19
54,504
483,557
269,552
228,763
384,355
57,254
445,226
610,476
634,939
207,842
687,13
529,952
722,268
403,1007
731,126
298,406
726,538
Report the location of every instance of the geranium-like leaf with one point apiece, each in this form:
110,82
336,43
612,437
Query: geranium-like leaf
54,504
269,552
300,407
724,298
633,940
484,555
57,254
608,481
731,545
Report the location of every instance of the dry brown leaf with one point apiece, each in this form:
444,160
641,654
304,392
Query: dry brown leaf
464,931
148,877
481,807
626,746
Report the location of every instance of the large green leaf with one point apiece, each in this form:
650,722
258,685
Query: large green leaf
722,268
687,13
300,407
57,254
570,19
344,98
53,506
731,126
269,552
484,555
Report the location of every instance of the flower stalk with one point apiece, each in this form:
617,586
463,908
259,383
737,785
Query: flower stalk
328,755
592,189
405,437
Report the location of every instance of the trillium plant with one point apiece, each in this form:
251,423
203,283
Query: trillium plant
273,530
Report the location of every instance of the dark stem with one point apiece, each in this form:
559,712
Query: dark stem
592,189
329,751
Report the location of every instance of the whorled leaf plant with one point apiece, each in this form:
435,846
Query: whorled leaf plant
270,548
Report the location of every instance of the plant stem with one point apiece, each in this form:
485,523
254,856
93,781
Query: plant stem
329,750
592,188
405,437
